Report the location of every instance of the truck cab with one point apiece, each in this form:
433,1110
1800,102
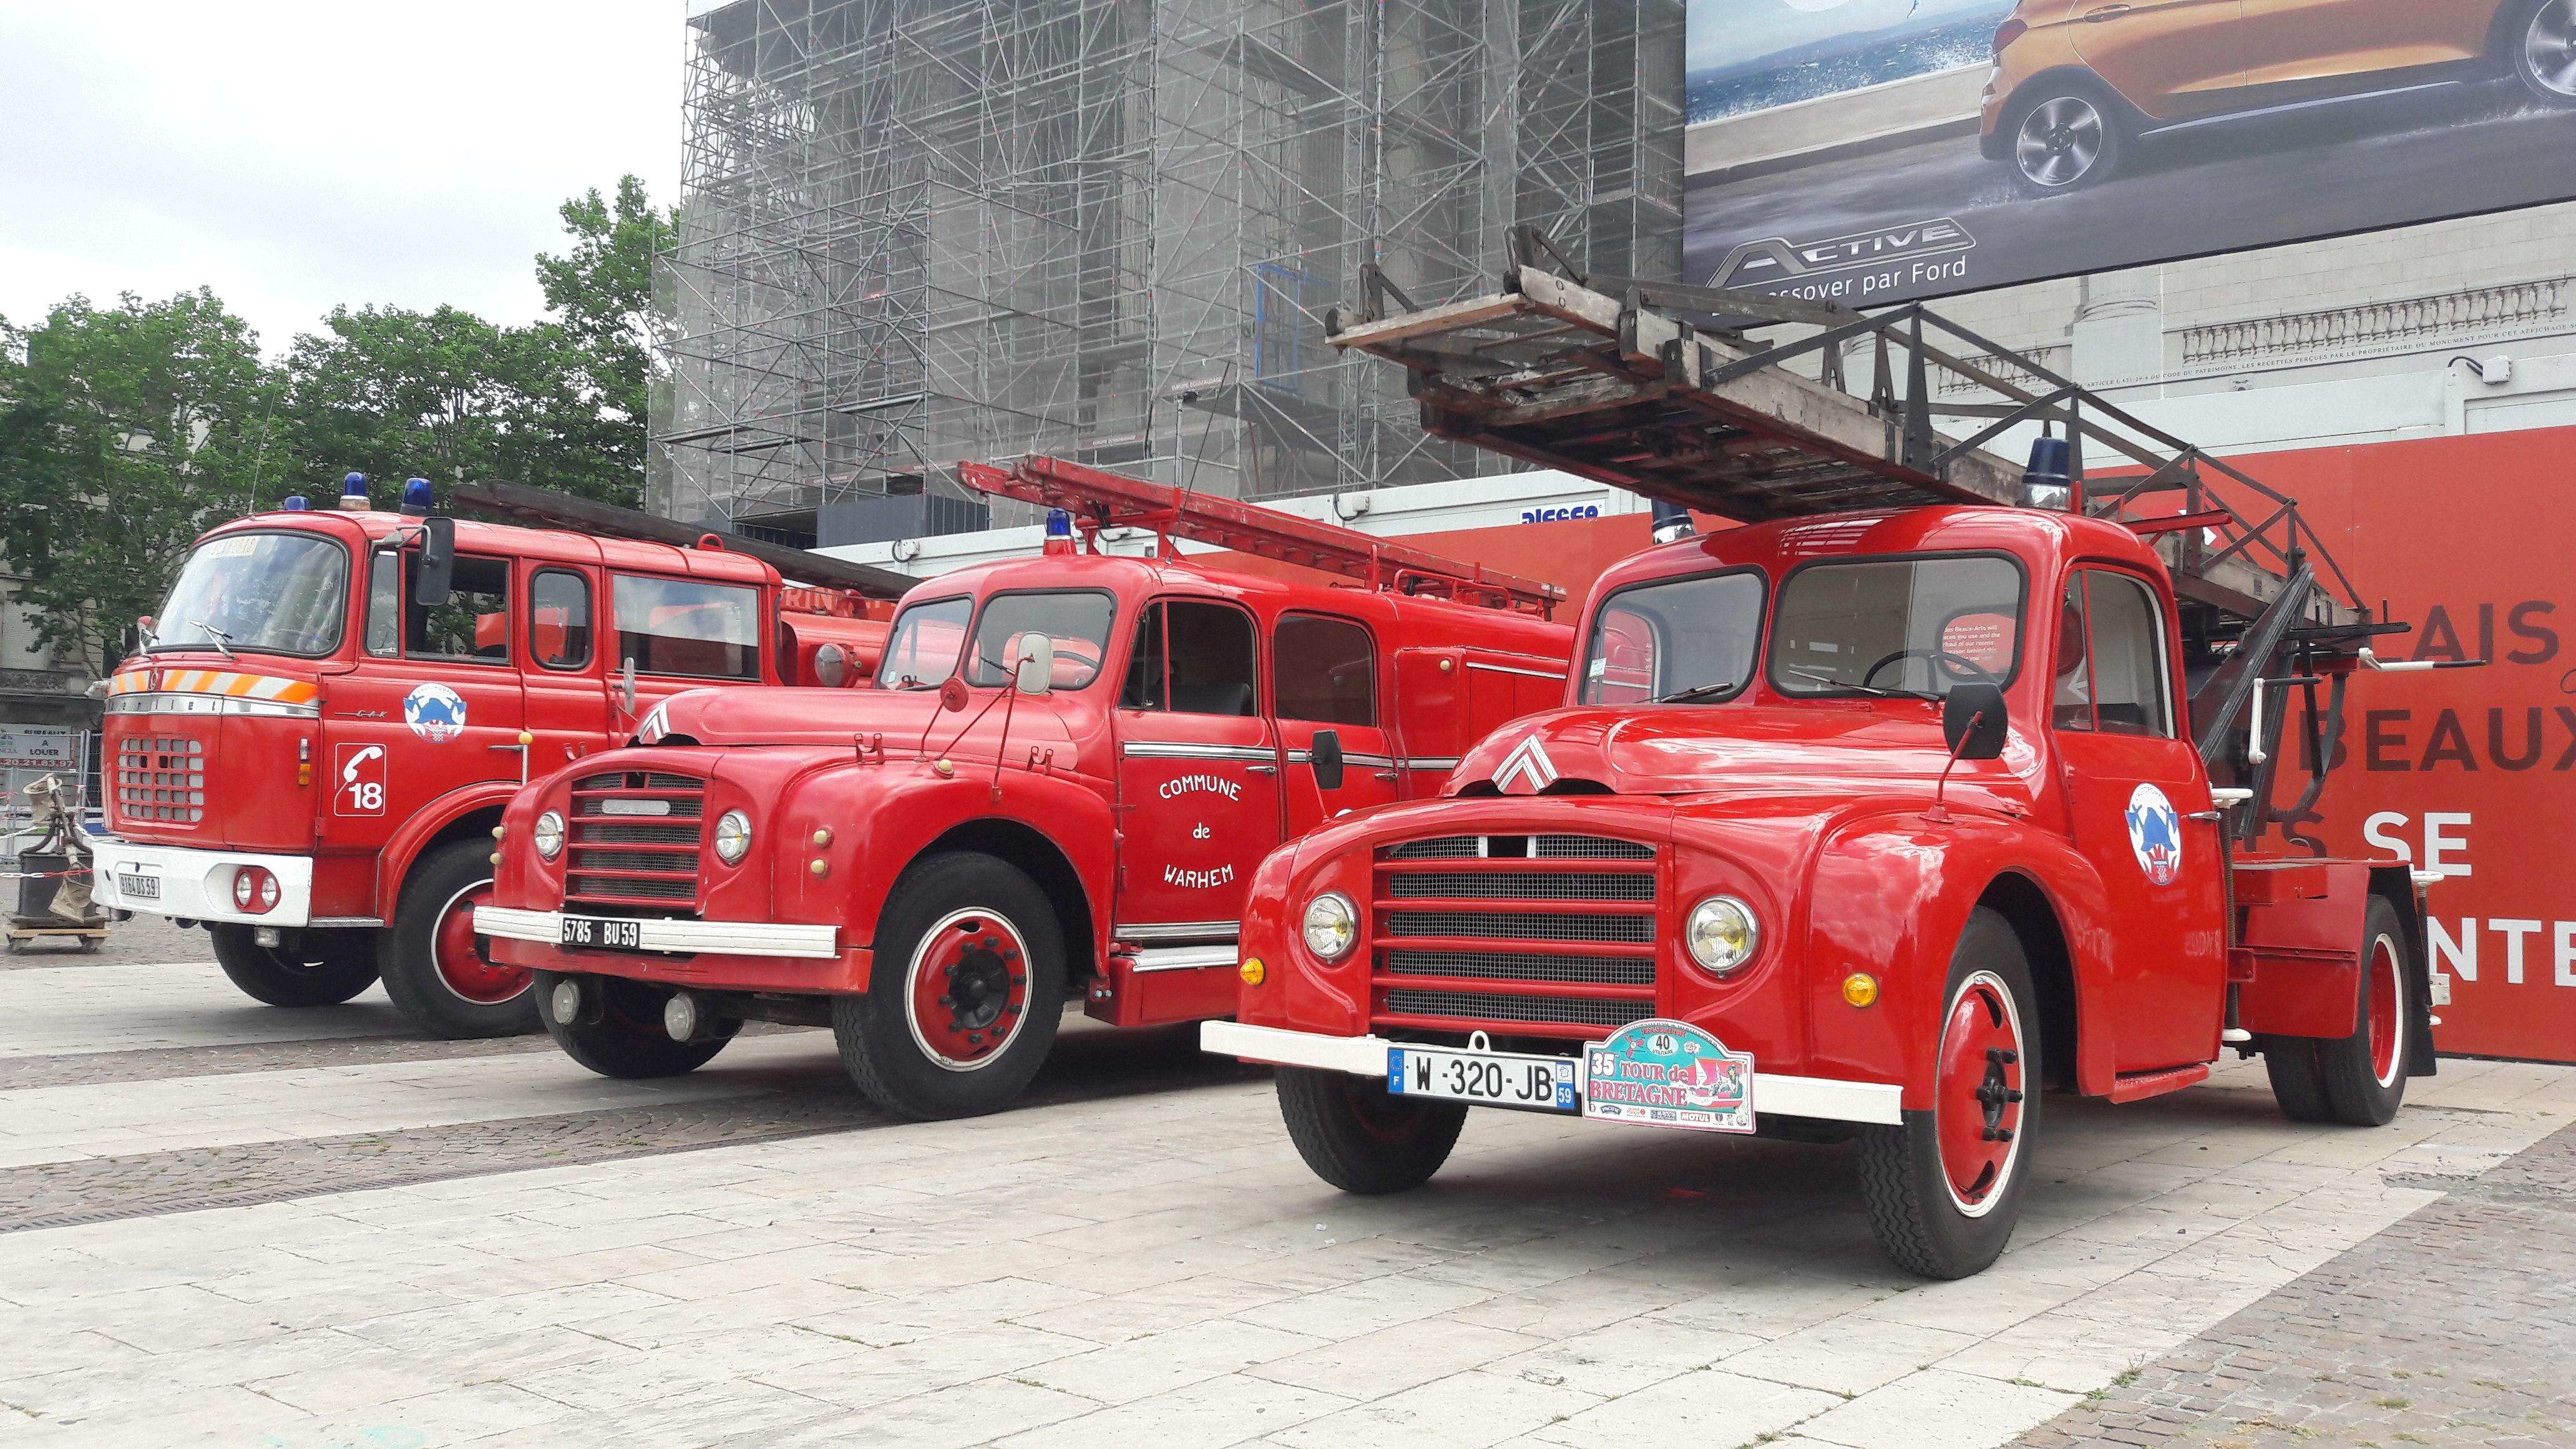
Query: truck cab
1871,825
309,760
1056,790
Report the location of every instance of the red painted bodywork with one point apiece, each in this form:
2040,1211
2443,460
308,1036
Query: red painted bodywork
1818,813
1049,782
257,797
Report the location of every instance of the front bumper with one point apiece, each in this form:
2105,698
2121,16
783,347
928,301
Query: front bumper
702,938
1879,1103
198,884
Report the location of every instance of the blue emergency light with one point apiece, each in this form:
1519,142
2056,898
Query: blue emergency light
353,493
298,503
1059,532
416,496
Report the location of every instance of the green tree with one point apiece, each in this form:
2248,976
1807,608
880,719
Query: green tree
603,292
125,432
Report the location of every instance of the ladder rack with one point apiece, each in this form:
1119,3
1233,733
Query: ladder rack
1099,500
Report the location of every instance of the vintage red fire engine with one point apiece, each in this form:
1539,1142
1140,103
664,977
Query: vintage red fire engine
1867,821
1058,788
313,770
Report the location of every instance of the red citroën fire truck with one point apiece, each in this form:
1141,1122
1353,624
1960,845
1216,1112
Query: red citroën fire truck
310,751
1057,789
1868,820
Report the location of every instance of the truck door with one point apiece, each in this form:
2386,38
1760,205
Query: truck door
1198,772
2132,785
567,691
434,704
1324,676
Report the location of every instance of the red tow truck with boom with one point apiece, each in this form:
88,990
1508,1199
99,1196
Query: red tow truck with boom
1056,791
310,756
1867,820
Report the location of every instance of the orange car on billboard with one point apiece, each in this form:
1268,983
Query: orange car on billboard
2076,83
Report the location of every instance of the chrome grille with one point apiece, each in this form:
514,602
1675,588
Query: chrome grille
1524,966
161,779
1633,930
1445,847
636,836
1558,1010
1521,886
1521,847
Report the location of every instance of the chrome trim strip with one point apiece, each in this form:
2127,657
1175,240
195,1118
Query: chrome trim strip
1507,669
2290,107
208,704
1176,931
343,923
1160,750
1431,762
1186,958
705,938
1374,762
1879,1103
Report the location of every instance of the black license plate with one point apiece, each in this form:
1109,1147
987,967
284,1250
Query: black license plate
592,931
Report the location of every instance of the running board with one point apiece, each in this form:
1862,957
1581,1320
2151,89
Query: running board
2137,1086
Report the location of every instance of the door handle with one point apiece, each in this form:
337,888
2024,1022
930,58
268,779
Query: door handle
1263,769
2107,12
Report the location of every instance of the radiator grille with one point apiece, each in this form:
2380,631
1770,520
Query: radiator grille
1561,1010
636,837
1521,886
1630,930
161,778
1524,966
1521,847
1571,913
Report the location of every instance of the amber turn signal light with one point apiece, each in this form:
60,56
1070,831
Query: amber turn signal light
1860,988
1251,971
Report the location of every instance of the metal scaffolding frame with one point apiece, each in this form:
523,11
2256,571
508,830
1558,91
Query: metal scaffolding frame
914,232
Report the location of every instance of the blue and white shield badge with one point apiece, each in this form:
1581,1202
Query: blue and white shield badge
435,712
2155,834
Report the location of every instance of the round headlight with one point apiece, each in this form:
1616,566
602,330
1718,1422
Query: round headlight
733,837
1332,924
549,835
831,666
1721,933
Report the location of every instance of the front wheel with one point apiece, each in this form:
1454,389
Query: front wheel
322,968
1944,1189
965,993
434,964
1359,1136
2066,141
2543,51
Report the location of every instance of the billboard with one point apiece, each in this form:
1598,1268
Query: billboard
1875,151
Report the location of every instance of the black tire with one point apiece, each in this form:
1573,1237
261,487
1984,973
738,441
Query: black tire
980,932
1923,1221
409,954
2298,1085
325,968
2065,139
626,1039
1360,1137
2365,1073
2540,49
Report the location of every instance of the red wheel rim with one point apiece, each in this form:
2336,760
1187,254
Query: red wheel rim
2387,1000
1977,1101
967,994
466,970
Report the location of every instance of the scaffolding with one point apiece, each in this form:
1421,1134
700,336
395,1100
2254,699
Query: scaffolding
914,232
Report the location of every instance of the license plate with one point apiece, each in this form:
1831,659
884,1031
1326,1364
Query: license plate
1494,1079
139,887
591,931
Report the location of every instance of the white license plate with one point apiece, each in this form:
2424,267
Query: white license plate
139,887
1495,1079
592,931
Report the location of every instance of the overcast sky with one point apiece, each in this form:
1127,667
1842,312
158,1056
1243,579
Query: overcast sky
1722,31
295,156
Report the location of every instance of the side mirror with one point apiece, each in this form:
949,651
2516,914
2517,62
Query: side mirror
1037,664
1326,752
436,582
1973,721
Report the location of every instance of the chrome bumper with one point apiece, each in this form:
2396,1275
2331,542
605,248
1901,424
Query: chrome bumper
705,938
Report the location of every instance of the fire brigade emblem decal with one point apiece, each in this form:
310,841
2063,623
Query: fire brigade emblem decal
1528,760
435,712
2155,834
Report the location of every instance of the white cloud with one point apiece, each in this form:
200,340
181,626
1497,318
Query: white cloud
295,156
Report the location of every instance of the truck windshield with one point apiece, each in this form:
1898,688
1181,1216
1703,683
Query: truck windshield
922,650
1909,626
277,593
1076,620
1675,641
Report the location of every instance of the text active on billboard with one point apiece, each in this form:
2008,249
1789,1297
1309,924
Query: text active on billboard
1944,146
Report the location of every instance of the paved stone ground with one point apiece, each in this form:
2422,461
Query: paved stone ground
143,939
2456,1326
1137,1256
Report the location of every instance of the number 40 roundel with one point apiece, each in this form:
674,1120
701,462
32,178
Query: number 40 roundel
358,780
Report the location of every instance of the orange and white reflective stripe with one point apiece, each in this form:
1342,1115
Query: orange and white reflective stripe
237,686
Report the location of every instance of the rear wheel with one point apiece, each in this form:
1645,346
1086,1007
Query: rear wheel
322,968
434,964
2541,47
2365,1073
2298,1083
1360,1137
965,993
1944,1188
615,1027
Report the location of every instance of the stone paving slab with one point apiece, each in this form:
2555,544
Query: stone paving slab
123,1006
1158,1267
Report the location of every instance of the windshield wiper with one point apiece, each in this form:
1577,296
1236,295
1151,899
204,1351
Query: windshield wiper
1828,679
223,641
1696,691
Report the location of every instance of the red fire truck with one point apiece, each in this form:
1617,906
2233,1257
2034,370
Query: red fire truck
1057,789
311,766
1868,821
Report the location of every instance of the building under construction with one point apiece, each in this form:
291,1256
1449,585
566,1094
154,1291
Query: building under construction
919,231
